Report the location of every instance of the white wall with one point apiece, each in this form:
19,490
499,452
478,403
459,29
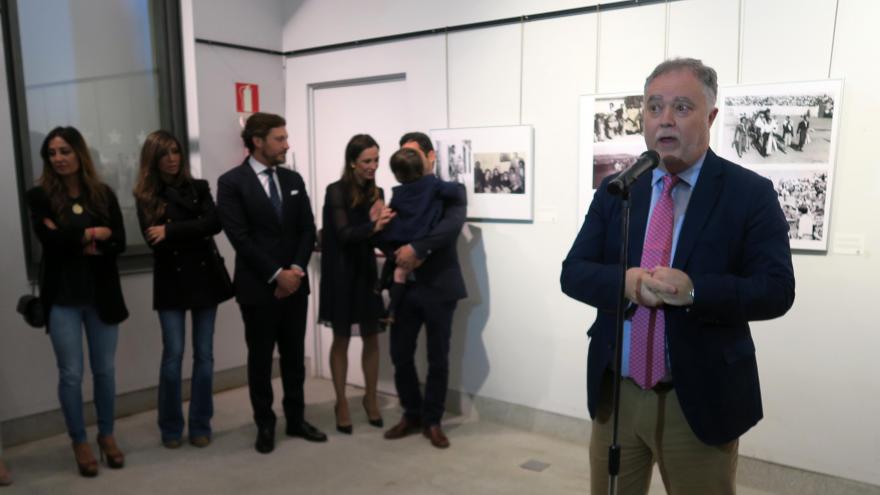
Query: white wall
313,23
517,338
253,23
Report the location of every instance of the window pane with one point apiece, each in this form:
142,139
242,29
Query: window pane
92,64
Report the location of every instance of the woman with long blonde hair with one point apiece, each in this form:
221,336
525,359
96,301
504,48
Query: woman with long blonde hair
178,220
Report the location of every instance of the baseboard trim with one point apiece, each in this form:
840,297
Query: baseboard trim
751,472
50,423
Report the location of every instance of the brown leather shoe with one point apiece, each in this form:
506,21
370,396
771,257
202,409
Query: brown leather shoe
406,426
436,435
200,441
172,443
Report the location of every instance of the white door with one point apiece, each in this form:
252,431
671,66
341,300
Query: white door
375,107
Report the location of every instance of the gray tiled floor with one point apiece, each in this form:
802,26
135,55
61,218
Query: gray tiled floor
485,458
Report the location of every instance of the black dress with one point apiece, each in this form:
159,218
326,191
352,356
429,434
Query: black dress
348,265
189,272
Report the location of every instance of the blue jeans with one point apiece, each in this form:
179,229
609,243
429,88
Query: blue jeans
65,324
201,407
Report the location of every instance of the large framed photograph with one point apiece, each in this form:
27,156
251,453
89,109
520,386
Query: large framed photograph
495,164
611,139
786,132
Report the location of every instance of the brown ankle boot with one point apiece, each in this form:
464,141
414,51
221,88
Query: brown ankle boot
110,452
85,460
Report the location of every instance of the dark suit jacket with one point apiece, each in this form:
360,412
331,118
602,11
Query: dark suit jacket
186,271
262,243
440,274
734,246
63,244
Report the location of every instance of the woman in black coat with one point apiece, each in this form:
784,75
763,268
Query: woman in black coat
79,224
354,210
179,220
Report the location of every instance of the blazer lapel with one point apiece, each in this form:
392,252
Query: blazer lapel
703,199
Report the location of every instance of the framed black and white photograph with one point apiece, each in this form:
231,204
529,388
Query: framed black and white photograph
499,173
495,164
788,133
453,162
803,195
611,139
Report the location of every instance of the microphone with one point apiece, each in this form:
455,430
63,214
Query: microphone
646,162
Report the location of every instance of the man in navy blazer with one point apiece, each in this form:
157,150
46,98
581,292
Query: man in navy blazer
430,300
268,219
730,264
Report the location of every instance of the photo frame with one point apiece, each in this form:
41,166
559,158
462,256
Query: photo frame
610,140
786,132
496,166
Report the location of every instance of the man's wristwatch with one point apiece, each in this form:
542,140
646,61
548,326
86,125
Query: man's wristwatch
691,295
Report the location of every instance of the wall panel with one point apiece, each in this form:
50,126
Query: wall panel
484,77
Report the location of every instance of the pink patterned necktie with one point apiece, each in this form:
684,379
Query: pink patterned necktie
647,356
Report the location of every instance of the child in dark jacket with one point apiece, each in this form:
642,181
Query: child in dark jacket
418,203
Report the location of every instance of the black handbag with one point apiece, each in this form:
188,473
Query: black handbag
30,306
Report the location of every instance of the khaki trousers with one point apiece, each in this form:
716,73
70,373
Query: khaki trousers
653,429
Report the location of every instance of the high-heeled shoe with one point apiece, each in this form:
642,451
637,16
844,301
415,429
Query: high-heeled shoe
377,422
85,460
110,453
346,429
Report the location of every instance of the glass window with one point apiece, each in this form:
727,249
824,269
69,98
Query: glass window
106,67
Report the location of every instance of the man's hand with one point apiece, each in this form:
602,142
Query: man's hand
281,293
405,257
289,280
671,285
637,290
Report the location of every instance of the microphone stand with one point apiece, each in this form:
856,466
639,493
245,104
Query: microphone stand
614,448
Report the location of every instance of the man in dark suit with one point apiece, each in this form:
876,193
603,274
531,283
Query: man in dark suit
267,217
430,300
690,386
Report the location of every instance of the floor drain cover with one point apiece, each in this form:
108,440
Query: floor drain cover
533,465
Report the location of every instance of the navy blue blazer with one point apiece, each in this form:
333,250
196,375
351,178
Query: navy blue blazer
734,246
262,243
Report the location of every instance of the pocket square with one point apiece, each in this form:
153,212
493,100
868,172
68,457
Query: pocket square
294,192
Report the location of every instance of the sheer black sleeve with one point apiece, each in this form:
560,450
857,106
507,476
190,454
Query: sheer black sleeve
340,217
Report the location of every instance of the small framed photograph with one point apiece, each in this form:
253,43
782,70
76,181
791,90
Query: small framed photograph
496,166
611,139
